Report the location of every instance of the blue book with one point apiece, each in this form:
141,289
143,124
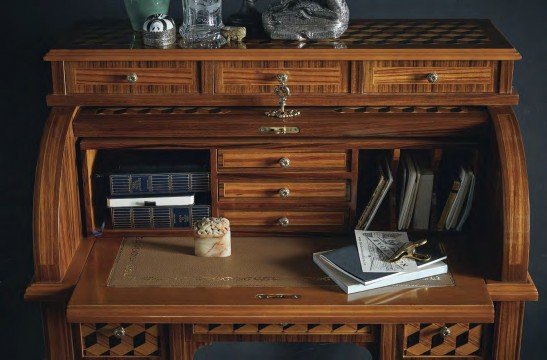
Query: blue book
347,260
158,217
159,183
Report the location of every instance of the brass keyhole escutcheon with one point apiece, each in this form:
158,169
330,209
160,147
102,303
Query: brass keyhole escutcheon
282,91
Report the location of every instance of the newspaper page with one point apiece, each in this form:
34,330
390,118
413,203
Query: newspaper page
376,247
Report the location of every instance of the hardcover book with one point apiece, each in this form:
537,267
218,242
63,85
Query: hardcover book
157,217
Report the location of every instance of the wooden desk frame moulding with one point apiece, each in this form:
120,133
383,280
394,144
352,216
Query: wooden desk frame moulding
358,97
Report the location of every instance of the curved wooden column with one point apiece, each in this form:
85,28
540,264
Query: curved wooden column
515,203
57,221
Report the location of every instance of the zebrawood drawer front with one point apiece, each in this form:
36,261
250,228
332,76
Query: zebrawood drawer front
451,340
259,77
368,331
333,190
121,340
127,77
282,160
430,76
285,219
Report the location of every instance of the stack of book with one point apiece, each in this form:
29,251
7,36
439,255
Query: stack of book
365,266
157,200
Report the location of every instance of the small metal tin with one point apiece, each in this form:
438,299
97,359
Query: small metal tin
159,31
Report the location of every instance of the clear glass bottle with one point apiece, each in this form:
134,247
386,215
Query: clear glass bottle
202,22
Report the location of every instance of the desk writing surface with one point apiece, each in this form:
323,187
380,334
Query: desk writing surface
93,300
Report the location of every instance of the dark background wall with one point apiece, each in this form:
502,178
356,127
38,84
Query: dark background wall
34,26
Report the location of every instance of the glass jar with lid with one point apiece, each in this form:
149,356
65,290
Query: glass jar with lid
201,23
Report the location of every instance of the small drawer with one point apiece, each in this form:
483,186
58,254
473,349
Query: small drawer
132,77
285,220
121,340
284,190
450,340
259,77
283,160
431,76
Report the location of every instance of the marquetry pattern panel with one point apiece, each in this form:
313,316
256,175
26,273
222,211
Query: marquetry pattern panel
317,329
412,76
409,109
427,340
406,32
259,77
139,340
159,110
362,33
153,77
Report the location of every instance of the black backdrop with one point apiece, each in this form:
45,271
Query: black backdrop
34,25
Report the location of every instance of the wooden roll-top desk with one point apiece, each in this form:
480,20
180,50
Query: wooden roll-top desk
442,87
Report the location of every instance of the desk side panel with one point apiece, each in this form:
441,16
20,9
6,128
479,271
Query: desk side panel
57,220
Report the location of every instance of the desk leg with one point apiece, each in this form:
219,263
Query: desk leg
187,348
508,330
388,342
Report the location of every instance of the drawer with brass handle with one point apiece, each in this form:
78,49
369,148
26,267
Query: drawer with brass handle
431,77
240,219
121,341
259,77
161,77
283,160
284,190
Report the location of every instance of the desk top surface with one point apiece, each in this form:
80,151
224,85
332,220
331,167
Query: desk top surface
364,38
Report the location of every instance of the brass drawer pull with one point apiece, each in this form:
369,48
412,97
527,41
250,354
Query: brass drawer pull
444,332
284,221
119,332
279,130
132,78
285,162
284,192
433,78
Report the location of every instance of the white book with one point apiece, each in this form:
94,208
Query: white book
410,211
350,286
422,208
454,214
408,191
468,202
185,200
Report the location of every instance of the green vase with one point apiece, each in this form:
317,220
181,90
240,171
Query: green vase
139,10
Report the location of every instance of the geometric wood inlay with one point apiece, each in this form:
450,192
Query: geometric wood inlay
426,340
318,329
139,340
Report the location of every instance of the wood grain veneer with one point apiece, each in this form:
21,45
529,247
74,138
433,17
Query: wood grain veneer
514,195
57,221
241,218
110,77
256,159
411,76
267,189
259,77
247,122
188,99
94,301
